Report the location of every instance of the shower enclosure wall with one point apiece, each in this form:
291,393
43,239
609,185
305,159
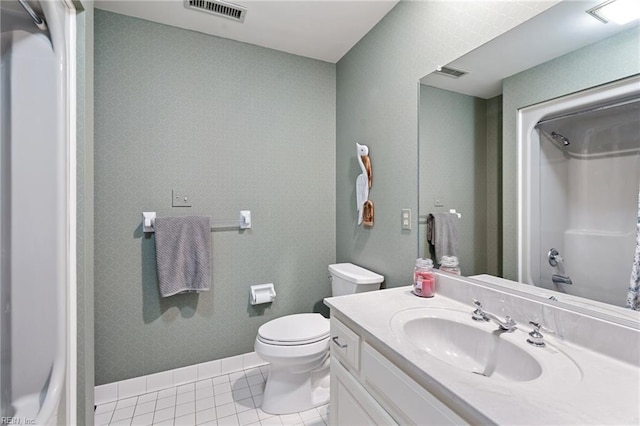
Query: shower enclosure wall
580,176
37,228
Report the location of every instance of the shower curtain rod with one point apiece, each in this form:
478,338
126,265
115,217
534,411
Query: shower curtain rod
40,23
598,108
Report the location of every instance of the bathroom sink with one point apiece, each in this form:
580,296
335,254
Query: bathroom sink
477,347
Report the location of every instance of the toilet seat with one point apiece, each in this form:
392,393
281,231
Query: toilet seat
295,330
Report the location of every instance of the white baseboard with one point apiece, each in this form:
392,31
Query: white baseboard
154,382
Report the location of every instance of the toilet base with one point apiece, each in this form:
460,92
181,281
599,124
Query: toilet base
289,392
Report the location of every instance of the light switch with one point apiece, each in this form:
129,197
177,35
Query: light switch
180,199
405,219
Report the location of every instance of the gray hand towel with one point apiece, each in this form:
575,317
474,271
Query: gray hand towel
183,254
445,235
430,228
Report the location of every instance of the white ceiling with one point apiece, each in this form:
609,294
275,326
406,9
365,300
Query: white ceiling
559,30
318,29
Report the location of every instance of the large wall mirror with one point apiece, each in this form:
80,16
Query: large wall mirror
581,157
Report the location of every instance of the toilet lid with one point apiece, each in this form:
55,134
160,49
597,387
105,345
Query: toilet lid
297,329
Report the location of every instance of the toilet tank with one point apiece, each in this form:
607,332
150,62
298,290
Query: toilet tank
347,278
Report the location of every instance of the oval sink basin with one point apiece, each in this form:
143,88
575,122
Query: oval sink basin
452,337
470,348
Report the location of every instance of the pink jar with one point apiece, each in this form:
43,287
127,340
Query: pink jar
424,280
450,264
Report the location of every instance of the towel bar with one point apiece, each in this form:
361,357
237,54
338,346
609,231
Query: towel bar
149,219
422,219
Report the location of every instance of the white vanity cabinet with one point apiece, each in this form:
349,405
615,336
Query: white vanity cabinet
383,373
368,389
351,404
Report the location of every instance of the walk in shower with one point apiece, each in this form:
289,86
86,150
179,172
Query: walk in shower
580,176
37,211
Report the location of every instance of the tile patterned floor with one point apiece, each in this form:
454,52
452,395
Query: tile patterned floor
231,399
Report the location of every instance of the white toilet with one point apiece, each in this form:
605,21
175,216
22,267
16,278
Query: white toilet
297,347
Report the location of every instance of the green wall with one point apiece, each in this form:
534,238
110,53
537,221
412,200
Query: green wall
459,146
235,127
377,104
611,59
452,168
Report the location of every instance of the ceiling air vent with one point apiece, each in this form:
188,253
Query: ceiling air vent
219,8
450,72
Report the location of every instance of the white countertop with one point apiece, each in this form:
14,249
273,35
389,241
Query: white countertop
606,392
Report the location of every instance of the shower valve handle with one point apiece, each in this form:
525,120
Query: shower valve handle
554,257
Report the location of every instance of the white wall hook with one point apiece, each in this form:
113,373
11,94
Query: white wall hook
455,212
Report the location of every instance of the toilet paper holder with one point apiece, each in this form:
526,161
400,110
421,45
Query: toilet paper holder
262,293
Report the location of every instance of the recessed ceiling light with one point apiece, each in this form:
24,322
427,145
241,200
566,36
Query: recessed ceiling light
618,11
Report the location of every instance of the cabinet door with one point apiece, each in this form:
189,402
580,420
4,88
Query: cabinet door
350,403
406,400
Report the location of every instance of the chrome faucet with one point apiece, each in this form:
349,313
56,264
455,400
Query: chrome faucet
480,315
561,279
